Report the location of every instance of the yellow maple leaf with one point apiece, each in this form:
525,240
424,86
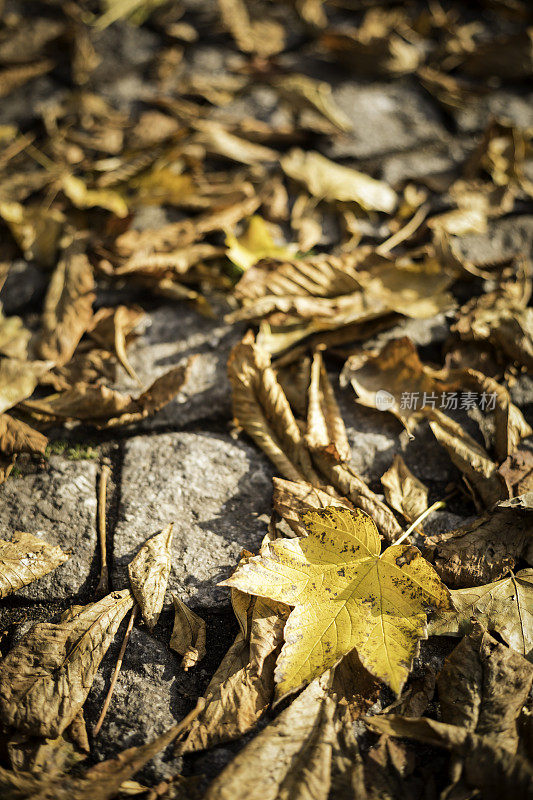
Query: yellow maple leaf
345,596
256,243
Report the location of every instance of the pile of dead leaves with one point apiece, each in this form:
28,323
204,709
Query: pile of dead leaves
316,257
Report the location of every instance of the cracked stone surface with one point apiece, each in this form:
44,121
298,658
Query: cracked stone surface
58,504
216,491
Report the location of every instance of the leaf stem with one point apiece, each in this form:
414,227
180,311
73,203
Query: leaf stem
116,671
103,583
419,519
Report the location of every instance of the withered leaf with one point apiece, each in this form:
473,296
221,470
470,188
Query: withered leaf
82,197
325,426
46,677
345,595
404,491
306,92
14,337
242,688
36,230
17,437
487,548
503,606
67,307
18,379
483,686
188,634
487,767
148,573
255,244
104,407
291,500
25,559
328,180
291,757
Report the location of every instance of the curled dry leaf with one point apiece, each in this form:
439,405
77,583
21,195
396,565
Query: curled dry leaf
345,595
242,688
303,91
487,548
483,686
325,426
291,757
291,500
103,781
25,559
404,491
255,244
148,573
14,337
82,197
18,379
480,472
504,606
330,181
43,701
487,767
188,634
104,407
17,437
36,230
67,307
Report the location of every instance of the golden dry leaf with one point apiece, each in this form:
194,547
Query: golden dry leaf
25,559
291,500
148,573
242,688
346,595
17,437
82,197
104,407
262,409
330,181
218,141
36,230
404,491
264,37
487,548
305,92
68,306
188,634
256,244
44,701
480,472
18,379
14,337
504,606
291,757
325,426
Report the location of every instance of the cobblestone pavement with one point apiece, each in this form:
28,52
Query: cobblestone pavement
185,464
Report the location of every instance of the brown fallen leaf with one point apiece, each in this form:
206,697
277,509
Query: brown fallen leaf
517,471
504,606
14,337
67,307
303,91
404,491
264,36
103,781
291,757
188,634
330,181
483,686
44,701
291,500
17,437
487,548
25,559
81,196
487,767
242,688
148,573
18,379
325,426
104,407
479,471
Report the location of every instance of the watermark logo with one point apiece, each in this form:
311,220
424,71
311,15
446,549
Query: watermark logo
384,400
